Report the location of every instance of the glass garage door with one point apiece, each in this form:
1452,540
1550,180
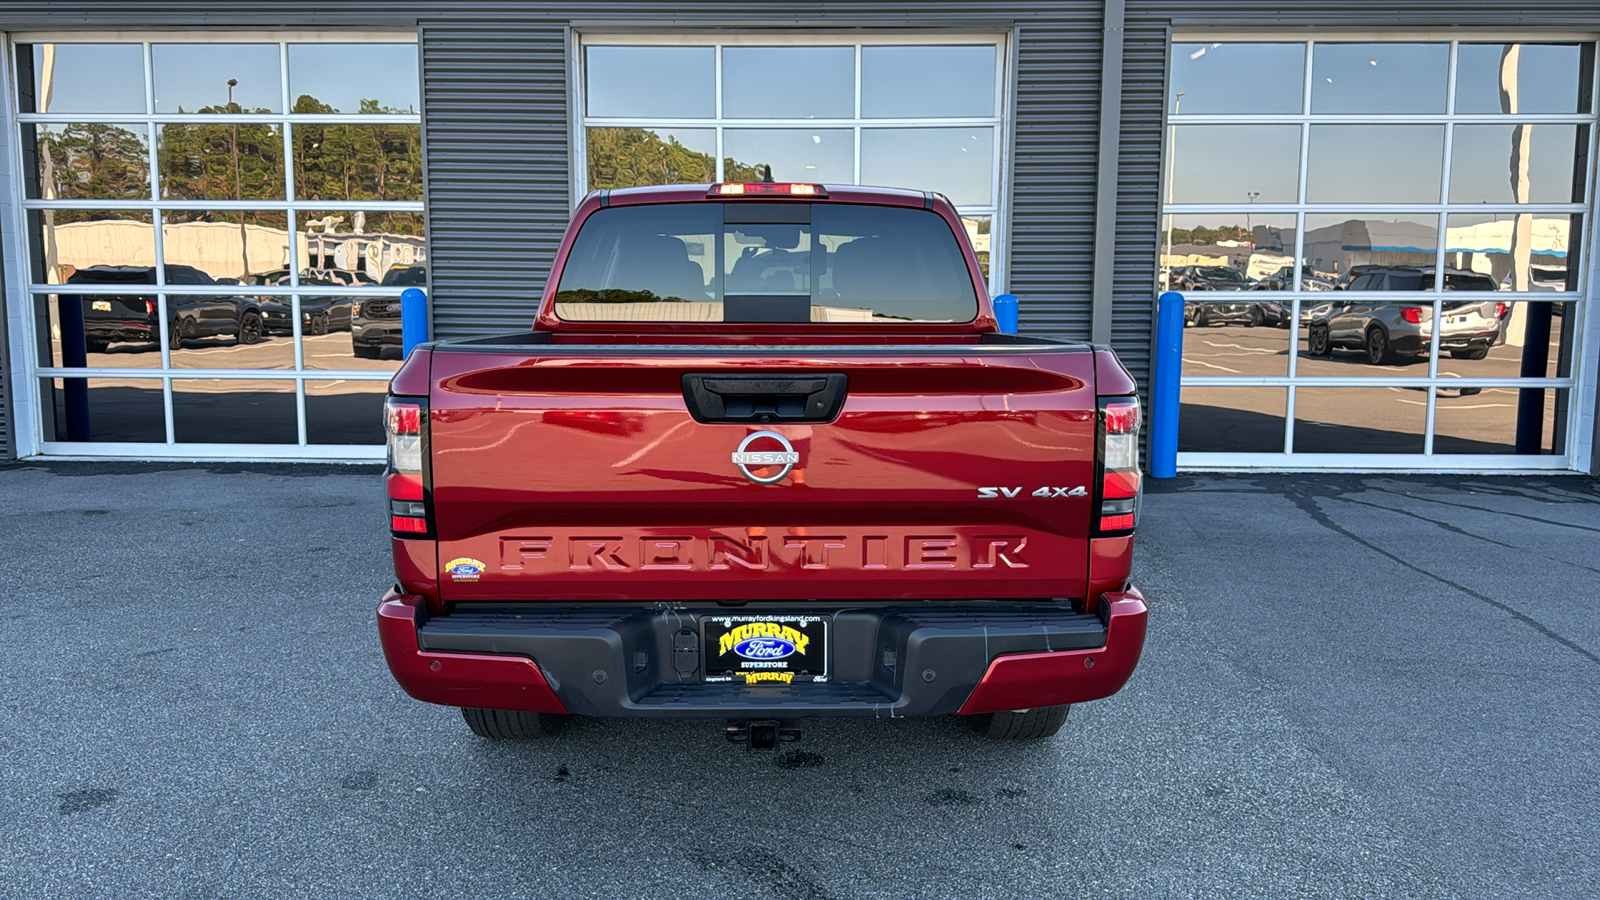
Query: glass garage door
217,233
1381,248
917,111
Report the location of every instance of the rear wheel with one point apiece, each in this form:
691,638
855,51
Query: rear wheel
508,724
1378,352
1020,724
175,335
319,324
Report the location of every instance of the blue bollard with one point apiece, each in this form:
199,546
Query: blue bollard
1164,386
413,319
1005,313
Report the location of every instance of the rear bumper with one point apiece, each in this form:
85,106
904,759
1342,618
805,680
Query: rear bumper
887,661
119,330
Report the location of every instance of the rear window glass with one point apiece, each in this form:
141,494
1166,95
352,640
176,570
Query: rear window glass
765,262
1410,281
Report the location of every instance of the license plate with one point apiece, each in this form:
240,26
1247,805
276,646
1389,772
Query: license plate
101,305
756,649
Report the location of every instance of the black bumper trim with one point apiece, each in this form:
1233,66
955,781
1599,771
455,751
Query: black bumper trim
886,660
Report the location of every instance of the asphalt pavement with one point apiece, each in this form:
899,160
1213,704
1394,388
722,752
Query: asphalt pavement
1354,686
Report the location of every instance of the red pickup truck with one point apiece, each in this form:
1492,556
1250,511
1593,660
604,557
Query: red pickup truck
764,455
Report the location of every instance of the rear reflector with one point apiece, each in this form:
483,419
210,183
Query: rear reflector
767,190
1120,482
408,525
1117,523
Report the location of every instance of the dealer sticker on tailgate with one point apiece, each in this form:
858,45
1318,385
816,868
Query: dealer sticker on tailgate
755,649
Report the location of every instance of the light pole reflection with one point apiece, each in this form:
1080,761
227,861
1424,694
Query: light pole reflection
1172,164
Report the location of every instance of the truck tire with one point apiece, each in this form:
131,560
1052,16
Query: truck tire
506,724
1021,724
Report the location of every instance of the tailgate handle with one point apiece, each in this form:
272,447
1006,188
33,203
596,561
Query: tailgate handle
764,397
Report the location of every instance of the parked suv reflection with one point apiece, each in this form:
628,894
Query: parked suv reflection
1389,332
134,318
318,314
1212,312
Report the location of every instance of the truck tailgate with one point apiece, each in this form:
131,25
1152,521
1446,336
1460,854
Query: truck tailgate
579,473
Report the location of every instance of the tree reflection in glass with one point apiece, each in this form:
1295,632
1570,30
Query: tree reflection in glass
91,161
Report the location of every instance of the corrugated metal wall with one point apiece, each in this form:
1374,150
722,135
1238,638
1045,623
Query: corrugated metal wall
1055,140
495,119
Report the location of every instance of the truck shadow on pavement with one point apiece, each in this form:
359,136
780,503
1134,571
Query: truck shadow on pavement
859,793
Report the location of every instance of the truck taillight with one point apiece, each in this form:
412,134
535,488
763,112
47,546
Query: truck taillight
1120,483
405,425
1411,314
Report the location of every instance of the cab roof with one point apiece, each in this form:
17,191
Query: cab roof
833,193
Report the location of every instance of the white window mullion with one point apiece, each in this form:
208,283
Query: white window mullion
149,79
299,397
717,81
855,171
1427,434
1288,421
166,409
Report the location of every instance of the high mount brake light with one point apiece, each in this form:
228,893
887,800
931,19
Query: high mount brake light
1120,484
404,424
767,190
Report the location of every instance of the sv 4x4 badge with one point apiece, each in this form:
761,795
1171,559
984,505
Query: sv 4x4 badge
1011,493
